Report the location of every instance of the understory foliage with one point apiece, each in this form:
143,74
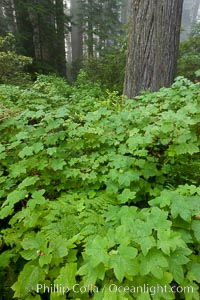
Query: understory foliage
97,190
12,65
189,54
109,68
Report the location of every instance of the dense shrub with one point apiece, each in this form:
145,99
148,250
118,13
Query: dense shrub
109,68
100,191
189,54
12,65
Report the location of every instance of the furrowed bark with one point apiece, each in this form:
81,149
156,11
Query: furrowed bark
153,45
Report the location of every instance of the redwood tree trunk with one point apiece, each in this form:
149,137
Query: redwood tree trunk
153,45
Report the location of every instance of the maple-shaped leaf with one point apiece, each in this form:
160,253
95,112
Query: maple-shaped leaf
27,151
58,164
122,261
126,195
176,261
28,278
28,181
97,251
92,274
37,199
158,219
196,229
194,268
168,241
154,262
67,276
146,243
12,199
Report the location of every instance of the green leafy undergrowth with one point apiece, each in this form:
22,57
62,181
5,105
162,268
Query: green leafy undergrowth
13,65
100,194
189,54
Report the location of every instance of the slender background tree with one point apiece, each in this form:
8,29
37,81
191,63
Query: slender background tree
189,16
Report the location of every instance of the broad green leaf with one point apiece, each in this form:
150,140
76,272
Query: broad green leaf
62,112
34,241
126,196
108,294
153,286
37,199
144,296
163,200
2,148
190,290
18,168
146,243
185,235
176,262
6,211
154,262
121,234
196,229
12,199
58,164
45,257
168,241
142,228
38,147
22,135
134,142
51,151
29,254
158,219
27,151
5,258
59,247
97,251
122,262
28,181
92,274
67,275
195,269
28,279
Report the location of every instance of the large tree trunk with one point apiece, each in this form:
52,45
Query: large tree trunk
153,45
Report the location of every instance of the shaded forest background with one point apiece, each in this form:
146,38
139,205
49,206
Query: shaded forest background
64,36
